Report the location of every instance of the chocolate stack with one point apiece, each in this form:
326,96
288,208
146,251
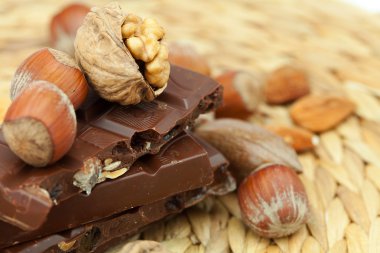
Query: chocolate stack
129,167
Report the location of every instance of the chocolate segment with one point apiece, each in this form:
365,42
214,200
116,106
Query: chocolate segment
181,165
100,235
105,132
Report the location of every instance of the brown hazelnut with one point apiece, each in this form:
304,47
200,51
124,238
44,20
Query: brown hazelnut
40,124
122,56
273,201
64,26
241,95
186,56
53,66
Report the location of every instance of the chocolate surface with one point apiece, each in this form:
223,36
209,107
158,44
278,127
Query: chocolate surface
105,131
100,235
181,165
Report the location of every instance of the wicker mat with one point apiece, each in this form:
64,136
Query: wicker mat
337,45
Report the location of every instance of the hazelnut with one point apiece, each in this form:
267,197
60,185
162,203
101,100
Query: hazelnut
286,84
40,124
273,201
186,56
242,93
53,66
64,26
122,56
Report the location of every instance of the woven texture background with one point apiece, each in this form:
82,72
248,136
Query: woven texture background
339,48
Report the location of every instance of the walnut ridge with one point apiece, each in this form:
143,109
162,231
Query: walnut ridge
122,55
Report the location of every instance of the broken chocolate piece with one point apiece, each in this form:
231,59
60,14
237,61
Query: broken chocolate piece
100,235
105,131
181,165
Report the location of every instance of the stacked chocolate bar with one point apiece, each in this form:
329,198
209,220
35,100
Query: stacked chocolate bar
129,167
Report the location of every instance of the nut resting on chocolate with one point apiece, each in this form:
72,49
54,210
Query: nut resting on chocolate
122,55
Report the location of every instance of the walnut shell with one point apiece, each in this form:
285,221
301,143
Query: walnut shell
106,61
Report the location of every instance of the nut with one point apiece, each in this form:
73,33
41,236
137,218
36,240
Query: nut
242,94
130,26
144,44
88,176
55,67
66,246
320,113
40,124
286,84
300,139
64,26
111,166
114,174
114,51
186,56
143,48
157,71
94,171
273,201
151,28
247,146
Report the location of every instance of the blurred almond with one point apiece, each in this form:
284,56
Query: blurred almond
186,56
242,93
300,139
286,84
247,146
320,113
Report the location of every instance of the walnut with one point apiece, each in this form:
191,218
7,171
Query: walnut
157,71
114,50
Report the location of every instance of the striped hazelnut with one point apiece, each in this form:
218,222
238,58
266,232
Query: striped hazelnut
40,124
273,201
53,66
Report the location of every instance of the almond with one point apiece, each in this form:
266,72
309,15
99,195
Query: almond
242,93
247,146
286,84
320,113
300,139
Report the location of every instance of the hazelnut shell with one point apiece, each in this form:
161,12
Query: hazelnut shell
242,94
273,201
55,67
40,124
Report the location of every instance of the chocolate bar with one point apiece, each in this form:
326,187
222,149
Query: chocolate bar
100,235
181,165
110,138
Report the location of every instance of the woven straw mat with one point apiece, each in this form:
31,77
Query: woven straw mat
339,48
